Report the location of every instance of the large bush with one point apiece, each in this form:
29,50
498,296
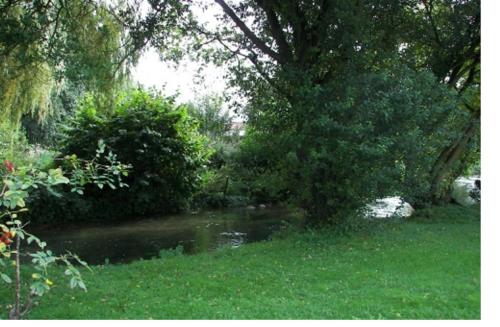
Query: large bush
159,139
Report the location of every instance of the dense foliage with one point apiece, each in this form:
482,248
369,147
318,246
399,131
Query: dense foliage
444,36
161,142
346,101
46,43
364,138
304,61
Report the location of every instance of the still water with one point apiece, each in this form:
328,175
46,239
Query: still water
145,238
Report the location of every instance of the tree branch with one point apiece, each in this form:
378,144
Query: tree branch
252,57
248,33
428,9
276,30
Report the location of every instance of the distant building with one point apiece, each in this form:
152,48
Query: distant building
237,128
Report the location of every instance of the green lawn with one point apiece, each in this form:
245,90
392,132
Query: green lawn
425,268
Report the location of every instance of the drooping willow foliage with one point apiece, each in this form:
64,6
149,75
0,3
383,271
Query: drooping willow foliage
25,90
46,43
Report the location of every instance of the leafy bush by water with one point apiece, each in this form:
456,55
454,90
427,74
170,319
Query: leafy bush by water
146,130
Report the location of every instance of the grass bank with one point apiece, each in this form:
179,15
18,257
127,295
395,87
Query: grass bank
425,268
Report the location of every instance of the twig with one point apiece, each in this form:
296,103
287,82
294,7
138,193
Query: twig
15,313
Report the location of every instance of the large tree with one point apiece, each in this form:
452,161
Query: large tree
320,38
304,67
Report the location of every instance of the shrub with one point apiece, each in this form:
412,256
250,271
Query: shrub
159,139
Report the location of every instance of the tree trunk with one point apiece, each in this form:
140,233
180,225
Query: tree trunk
448,157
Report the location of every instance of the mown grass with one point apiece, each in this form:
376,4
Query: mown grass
425,268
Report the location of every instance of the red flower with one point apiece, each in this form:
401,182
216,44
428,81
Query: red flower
6,238
9,165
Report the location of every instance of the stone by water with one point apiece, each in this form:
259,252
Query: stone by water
461,190
389,207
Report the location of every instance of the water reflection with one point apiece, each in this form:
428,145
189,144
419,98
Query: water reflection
145,238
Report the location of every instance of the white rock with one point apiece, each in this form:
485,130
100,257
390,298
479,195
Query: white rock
460,190
390,206
233,234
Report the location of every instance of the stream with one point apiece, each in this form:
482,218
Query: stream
146,238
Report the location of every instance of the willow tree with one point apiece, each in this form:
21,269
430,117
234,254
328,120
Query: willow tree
47,43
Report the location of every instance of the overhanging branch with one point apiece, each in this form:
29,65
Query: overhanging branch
248,33
276,29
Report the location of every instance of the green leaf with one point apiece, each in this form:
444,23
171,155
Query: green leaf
6,278
81,284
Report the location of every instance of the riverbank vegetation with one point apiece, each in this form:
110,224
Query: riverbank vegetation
336,110
329,106
425,268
